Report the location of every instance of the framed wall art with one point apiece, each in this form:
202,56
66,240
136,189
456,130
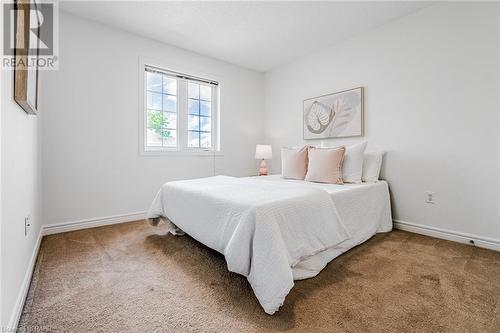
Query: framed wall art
27,44
334,115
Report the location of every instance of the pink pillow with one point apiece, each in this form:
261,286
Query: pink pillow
325,165
294,163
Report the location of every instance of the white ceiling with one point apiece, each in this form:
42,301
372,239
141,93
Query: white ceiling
256,35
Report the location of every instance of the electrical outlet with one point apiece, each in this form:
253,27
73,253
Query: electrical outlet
27,225
429,197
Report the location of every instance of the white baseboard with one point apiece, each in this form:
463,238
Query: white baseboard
56,228
21,298
484,242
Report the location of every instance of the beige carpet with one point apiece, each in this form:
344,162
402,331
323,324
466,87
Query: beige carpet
133,278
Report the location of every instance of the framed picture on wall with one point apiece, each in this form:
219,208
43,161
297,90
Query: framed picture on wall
336,115
27,45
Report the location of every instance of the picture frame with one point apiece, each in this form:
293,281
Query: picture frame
336,115
27,45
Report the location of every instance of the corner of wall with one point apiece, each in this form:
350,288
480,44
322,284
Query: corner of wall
20,195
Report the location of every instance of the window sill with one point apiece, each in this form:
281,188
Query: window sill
169,153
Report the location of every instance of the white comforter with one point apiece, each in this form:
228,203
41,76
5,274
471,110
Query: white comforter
263,228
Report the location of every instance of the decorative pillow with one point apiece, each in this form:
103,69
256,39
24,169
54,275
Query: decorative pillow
371,166
352,170
294,163
325,165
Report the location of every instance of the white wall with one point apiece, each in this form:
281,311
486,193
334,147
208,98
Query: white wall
432,85
91,162
20,195
432,102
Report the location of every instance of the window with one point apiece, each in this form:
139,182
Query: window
161,110
199,115
180,112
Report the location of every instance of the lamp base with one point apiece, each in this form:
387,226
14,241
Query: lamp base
263,168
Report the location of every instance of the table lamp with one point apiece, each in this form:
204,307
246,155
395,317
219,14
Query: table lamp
263,152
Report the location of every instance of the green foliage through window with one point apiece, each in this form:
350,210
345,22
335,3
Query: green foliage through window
158,122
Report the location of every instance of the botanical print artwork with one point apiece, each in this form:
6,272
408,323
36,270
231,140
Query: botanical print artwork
334,116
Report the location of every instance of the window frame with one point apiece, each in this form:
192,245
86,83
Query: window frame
181,147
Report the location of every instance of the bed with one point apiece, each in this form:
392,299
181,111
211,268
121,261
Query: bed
271,230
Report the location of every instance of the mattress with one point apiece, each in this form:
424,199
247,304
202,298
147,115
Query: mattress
364,209
274,231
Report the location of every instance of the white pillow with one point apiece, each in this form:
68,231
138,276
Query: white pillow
294,163
352,170
371,166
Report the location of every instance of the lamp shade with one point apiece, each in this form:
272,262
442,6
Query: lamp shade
263,152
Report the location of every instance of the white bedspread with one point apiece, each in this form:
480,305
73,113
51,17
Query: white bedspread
263,228
365,209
